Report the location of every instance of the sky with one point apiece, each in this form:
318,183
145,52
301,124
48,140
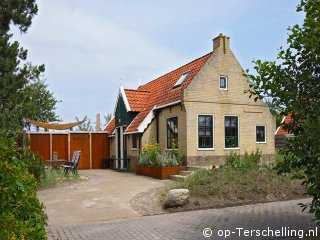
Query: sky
91,48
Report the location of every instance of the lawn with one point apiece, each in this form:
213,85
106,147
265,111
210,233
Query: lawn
238,182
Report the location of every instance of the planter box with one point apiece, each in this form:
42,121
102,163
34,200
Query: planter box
159,172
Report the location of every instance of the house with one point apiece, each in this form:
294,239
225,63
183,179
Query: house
200,106
281,134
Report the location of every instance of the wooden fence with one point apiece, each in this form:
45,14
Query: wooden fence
94,146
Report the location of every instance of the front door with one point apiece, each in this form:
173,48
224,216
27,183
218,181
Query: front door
120,148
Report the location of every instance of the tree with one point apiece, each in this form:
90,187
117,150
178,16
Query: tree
293,84
39,103
22,215
86,125
17,12
107,119
17,79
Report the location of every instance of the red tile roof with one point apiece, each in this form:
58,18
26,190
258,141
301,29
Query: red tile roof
280,130
161,91
136,99
110,126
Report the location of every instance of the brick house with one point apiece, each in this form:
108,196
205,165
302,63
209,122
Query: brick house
200,106
282,135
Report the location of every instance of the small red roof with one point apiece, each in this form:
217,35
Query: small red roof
280,130
110,126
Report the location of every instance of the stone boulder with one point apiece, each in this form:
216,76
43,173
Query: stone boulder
177,198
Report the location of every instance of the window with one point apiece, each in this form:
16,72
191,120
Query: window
134,141
182,78
261,134
205,131
231,131
223,82
172,132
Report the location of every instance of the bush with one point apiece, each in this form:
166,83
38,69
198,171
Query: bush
22,215
235,161
153,155
200,177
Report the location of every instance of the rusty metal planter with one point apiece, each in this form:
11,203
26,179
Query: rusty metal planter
158,172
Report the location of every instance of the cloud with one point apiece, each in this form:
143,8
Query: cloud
86,55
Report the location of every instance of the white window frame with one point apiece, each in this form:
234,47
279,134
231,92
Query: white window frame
265,133
166,118
224,132
182,78
213,147
226,88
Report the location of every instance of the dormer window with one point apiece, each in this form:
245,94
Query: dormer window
223,82
181,79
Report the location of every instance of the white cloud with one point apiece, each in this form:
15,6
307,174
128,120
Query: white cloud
86,55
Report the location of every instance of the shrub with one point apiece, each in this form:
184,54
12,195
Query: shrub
153,155
177,153
235,161
200,177
22,215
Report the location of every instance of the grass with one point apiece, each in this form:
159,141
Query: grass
51,179
237,184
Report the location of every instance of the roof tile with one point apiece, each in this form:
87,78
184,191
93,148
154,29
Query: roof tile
158,92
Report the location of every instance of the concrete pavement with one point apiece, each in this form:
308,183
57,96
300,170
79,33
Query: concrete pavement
104,196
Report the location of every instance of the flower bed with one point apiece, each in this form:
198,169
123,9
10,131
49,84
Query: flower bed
157,163
158,172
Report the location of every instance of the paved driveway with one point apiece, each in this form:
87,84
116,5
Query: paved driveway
104,196
285,217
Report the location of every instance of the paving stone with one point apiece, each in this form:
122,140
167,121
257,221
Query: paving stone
190,225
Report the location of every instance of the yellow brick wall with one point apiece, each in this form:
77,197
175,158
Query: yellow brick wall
150,134
131,151
203,96
174,111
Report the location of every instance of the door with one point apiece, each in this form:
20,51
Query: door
121,149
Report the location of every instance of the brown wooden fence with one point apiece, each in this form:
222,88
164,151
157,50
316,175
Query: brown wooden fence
94,146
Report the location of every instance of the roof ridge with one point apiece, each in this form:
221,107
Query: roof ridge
174,70
136,90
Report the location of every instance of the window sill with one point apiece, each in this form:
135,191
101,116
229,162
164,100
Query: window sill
134,149
206,149
224,89
237,148
261,142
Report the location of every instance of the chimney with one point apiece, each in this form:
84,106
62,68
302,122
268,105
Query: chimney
221,42
97,122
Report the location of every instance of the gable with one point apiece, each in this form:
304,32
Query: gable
206,85
122,116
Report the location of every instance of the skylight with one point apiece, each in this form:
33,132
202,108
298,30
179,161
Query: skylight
182,78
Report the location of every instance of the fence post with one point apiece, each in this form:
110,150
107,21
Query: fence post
90,149
69,140
50,139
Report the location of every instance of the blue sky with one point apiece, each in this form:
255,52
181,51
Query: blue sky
89,47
